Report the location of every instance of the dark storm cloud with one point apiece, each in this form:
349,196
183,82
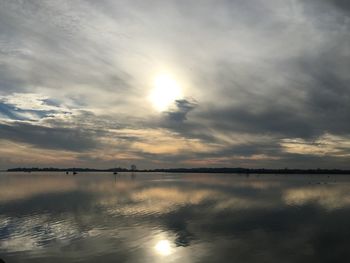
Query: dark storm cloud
339,5
180,114
344,5
314,98
48,138
273,119
328,94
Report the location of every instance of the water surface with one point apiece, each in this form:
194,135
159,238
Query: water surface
100,217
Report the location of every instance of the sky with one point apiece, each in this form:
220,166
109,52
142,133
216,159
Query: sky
160,84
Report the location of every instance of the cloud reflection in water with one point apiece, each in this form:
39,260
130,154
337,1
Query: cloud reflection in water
190,218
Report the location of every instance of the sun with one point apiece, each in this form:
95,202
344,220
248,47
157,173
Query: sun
163,247
165,91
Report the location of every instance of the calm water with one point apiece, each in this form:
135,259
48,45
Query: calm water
174,218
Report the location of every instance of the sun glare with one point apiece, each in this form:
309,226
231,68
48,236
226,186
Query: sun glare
166,90
163,247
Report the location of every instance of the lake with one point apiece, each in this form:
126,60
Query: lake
153,217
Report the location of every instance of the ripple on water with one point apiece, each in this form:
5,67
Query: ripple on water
205,217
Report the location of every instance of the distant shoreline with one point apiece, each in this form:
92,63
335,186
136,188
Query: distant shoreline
189,170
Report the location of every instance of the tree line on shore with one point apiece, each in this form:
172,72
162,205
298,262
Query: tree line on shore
188,170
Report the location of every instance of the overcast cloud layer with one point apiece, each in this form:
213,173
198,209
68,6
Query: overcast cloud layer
265,83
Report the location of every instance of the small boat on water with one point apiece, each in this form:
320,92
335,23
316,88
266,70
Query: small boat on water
115,172
75,172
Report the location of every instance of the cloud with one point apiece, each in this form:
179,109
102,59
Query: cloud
183,108
48,138
27,106
258,73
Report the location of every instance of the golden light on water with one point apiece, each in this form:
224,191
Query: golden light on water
166,90
163,247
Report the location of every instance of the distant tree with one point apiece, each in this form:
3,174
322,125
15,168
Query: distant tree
133,167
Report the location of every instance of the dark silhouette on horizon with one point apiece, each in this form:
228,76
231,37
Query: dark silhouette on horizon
237,170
